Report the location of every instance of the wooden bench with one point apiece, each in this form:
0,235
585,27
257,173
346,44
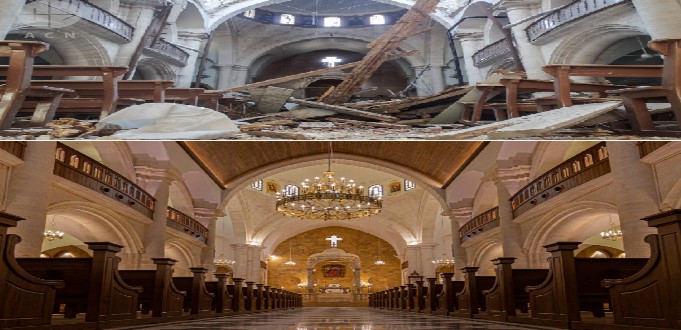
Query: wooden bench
470,300
636,99
574,285
403,297
238,298
249,293
421,294
160,296
92,285
188,96
27,301
411,297
200,299
508,292
222,300
447,302
434,290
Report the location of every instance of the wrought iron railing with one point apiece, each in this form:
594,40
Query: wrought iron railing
646,148
491,53
16,148
166,51
81,169
483,222
580,169
575,11
187,224
91,13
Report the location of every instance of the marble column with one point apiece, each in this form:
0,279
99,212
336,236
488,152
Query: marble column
457,218
192,41
28,196
10,11
508,182
157,182
143,15
635,196
471,43
531,55
658,16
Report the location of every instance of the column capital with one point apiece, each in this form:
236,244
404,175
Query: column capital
519,4
512,179
454,213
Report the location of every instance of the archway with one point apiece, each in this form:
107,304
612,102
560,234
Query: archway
317,88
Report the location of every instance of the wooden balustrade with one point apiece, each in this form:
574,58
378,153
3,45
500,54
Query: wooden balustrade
491,53
646,148
16,148
186,224
582,168
574,12
481,223
167,51
93,14
81,169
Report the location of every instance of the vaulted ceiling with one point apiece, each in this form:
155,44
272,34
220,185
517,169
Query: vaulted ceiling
227,161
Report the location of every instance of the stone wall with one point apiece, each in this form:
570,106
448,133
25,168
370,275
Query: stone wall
364,245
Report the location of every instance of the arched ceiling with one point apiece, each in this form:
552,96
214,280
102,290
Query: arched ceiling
226,162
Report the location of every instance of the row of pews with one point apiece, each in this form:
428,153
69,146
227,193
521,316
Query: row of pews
575,293
517,91
92,293
38,91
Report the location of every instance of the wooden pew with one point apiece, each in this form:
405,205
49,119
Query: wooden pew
188,96
238,298
160,296
27,301
411,297
652,297
92,285
508,292
250,296
222,300
447,301
573,285
17,86
259,297
470,300
635,99
395,298
267,297
200,299
403,297
431,300
420,299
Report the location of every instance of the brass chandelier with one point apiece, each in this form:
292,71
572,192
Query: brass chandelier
328,198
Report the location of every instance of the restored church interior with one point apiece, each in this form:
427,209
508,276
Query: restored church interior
340,235
339,69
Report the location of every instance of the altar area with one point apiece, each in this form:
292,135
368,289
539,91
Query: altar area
334,289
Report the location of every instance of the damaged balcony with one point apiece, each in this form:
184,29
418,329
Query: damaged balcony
166,51
97,20
491,54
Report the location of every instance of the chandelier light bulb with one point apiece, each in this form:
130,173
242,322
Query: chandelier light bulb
52,233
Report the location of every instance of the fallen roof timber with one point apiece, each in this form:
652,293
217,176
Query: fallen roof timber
345,110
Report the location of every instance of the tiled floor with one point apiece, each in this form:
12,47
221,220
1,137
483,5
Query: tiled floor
338,318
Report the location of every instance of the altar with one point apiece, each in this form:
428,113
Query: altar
334,288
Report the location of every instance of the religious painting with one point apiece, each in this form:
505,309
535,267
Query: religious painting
272,188
334,271
395,187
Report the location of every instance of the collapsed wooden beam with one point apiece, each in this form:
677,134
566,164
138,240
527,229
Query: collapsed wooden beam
345,110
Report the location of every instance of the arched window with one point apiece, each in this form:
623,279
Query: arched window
250,13
408,185
376,191
290,190
257,185
287,19
332,22
377,20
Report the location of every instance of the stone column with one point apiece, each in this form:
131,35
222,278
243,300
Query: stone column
457,218
413,255
508,182
471,43
10,11
657,15
356,280
437,78
156,182
192,41
208,215
224,76
635,196
422,84
28,196
310,280
531,55
254,252
141,16
240,267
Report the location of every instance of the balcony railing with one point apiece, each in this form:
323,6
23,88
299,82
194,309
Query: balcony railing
16,148
81,169
575,11
490,53
187,225
646,148
588,165
481,223
93,14
166,51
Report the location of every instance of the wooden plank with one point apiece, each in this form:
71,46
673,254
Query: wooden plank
345,110
366,123
274,99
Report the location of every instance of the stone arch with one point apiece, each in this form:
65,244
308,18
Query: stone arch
334,254
71,45
584,46
176,249
153,69
180,198
489,249
575,221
